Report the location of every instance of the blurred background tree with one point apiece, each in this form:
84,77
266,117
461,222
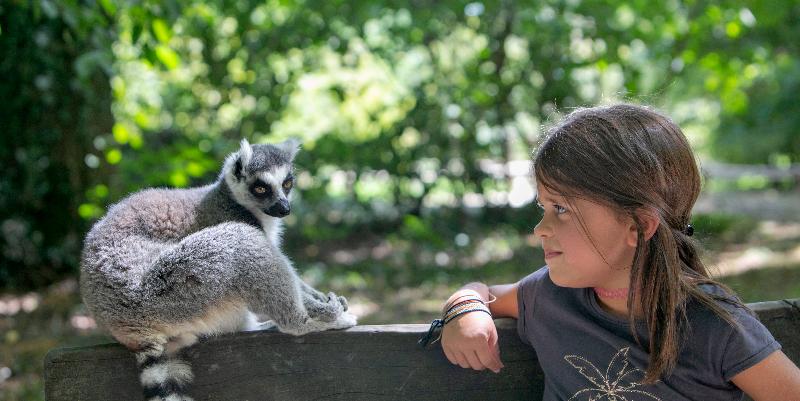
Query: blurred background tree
416,118
56,63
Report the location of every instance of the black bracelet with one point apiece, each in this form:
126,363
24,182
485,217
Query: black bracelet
481,308
427,339
437,324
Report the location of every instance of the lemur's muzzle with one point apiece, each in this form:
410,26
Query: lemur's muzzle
279,209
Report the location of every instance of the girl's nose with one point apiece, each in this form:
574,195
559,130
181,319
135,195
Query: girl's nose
543,229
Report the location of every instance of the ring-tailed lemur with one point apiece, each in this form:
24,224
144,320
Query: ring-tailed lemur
166,266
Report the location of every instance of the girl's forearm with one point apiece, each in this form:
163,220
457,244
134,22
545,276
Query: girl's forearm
479,289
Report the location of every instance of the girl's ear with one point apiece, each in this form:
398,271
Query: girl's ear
649,220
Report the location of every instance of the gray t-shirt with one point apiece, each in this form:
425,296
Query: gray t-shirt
588,354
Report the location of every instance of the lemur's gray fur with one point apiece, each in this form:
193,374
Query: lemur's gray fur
166,266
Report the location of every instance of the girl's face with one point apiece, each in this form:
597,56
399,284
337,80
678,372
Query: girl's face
597,253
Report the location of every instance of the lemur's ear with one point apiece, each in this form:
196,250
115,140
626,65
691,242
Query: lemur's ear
290,146
242,159
245,152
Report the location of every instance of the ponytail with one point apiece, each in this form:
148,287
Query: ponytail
665,277
661,298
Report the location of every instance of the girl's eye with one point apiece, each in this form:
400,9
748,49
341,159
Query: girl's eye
556,207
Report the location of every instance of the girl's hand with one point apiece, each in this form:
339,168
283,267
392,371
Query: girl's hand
470,341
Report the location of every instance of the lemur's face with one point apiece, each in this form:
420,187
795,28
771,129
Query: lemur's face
260,177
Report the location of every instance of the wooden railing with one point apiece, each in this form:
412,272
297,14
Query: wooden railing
361,363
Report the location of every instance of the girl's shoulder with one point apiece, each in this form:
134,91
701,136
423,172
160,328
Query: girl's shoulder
537,285
540,274
724,299
709,319
530,284
739,340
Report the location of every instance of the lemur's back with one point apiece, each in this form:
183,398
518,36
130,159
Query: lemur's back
123,245
159,214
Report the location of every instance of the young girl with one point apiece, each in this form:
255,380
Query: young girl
624,309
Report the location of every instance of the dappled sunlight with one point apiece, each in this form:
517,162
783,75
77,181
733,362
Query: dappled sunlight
409,305
780,231
11,305
33,323
362,307
772,244
5,373
83,322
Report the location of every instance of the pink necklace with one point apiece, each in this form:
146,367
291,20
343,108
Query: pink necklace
615,293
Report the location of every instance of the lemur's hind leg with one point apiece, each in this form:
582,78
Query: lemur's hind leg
234,263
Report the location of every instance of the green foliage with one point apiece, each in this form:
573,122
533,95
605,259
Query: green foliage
56,61
720,228
766,132
398,106
779,282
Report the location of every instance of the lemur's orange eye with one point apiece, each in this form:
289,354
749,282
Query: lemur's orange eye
260,190
287,184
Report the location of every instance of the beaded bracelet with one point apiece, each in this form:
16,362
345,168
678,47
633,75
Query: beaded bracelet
475,295
472,294
471,307
461,303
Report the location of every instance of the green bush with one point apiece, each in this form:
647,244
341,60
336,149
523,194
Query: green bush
397,106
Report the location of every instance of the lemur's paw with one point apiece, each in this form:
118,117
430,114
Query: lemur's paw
338,300
327,310
345,320
343,301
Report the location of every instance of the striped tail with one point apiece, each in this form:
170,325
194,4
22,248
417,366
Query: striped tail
164,378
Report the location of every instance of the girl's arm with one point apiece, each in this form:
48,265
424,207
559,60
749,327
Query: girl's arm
774,378
470,340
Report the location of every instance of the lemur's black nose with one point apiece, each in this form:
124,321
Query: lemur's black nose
279,209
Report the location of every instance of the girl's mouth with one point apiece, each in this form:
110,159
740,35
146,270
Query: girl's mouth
551,254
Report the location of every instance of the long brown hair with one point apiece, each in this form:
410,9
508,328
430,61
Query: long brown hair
633,159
